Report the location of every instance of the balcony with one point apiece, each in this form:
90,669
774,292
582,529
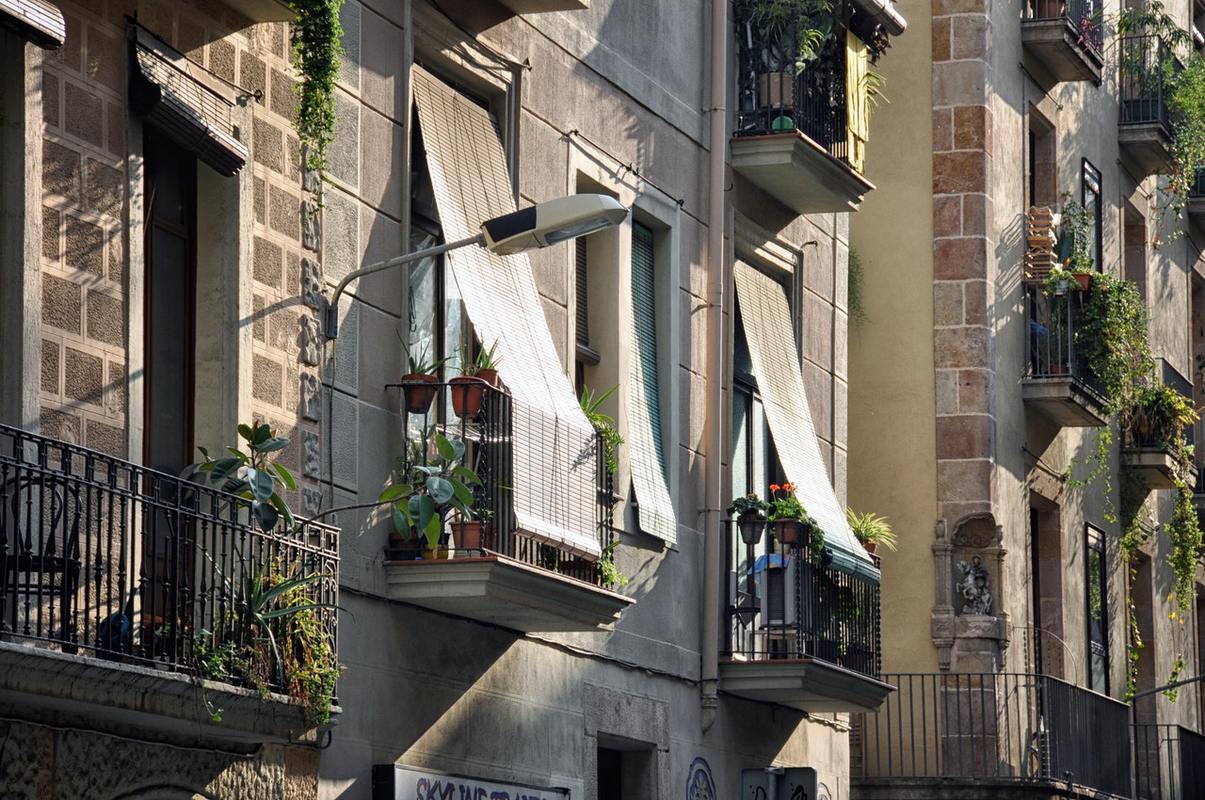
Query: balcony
1169,762
1057,382
801,633
511,577
792,137
1066,37
124,593
1196,199
991,735
1145,126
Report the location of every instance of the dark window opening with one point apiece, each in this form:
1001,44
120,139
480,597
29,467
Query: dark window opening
1043,161
1090,196
1098,612
1046,569
171,175
1134,243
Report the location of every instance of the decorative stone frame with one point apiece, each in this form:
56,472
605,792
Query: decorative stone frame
628,722
952,630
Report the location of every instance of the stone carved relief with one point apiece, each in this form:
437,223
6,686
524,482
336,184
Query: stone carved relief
311,502
311,400
311,225
311,181
311,458
977,532
310,341
311,284
974,586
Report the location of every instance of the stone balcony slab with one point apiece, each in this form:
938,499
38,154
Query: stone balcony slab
806,684
798,173
1055,45
1065,400
504,592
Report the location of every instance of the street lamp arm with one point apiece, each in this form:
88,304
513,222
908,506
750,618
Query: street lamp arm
332,309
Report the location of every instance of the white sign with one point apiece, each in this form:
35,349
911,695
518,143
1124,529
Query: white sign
412,784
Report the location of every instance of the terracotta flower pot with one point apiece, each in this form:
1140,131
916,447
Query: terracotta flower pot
776,90
467,535
490,376
468,395
787,531
436,554
418,392
870,547
1083,280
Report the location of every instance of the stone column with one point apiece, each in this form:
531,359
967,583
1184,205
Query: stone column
20,228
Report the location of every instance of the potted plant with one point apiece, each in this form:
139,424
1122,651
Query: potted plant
428,486
605,570
469,531
791,34
786,512
750,513
871,530
419,384
468,388
1159,416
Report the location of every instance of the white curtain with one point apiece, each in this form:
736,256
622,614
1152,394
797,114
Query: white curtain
555,456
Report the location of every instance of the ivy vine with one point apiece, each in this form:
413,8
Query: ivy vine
317,48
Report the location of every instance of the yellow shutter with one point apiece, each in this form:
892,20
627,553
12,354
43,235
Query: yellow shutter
857,65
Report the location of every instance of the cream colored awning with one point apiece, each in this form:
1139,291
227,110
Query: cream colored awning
555,488
775,359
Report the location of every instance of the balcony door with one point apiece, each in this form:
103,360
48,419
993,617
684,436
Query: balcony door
169,322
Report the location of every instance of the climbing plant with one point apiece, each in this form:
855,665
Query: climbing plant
1181,71
317,48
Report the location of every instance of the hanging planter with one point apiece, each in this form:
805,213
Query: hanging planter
752,525
418,391
468,396
787,531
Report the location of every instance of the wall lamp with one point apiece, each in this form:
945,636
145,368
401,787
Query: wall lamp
530,228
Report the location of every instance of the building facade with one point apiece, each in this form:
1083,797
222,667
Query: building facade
1019,584
169,254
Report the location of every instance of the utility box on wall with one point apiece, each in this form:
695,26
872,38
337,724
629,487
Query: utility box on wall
780,783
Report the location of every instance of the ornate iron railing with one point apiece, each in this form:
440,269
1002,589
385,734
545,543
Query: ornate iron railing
487,430
1005,727
789,602
105,558
1082,17
775,95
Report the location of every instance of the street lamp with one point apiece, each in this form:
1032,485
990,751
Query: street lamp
530,228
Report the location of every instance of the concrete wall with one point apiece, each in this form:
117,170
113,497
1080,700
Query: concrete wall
1028,455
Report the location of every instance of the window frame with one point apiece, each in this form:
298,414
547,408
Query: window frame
1092,182
1095,540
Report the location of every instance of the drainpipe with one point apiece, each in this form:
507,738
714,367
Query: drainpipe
714,442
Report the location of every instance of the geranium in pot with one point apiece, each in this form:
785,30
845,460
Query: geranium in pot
787,513
419,384
750,514
871,530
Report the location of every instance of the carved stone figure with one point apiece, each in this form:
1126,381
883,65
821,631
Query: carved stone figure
310,341
973,587
311,225
311,502
311,402
311,284
311,180
311,455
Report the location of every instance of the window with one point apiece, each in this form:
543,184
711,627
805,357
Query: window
1090,197
626,770
1134,244
644,313
171,175
754,462
1098,612
1043,166
586,355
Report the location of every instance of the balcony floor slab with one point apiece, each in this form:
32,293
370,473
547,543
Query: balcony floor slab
48,685
504,592
799,173
1065,400
807,684
1147,144
1053,43
1153,467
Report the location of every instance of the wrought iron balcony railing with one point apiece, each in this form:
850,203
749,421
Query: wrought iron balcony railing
1169,762
1082,18
776,96
1001,727
1144,82
1197,190
1053,323
487,429
788,602
101,557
